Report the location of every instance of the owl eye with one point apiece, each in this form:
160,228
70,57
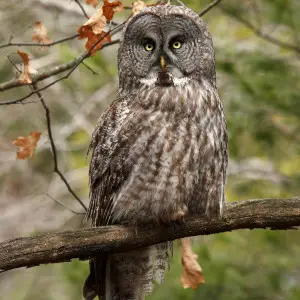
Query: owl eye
176,44
149,46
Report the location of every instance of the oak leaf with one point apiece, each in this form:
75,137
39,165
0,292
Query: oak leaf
24,78
40,33
93,30
192,274
92,2
110,7
96,23
138,6
26,145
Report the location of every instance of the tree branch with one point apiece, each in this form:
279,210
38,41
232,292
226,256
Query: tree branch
83,243
46,74
10,43
258,32
82,9
53,147
208,7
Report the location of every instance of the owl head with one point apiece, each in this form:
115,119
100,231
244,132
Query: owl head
166,45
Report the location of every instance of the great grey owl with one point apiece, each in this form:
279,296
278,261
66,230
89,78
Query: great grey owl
160,149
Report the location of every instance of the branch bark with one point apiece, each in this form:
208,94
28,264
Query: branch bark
83,243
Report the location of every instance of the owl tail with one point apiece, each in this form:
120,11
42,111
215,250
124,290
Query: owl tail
129,275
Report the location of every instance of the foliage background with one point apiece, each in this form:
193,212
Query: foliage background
259,85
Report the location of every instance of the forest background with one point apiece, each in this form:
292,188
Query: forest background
257,45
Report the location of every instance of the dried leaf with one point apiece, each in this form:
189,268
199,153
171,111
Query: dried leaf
98,40
40,33
96,23
25,75
192,273
93,30
110,7
92,2
138,6
26,145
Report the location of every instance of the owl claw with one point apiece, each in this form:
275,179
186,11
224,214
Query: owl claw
179,215
175,217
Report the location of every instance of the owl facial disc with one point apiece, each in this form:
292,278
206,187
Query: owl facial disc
164,74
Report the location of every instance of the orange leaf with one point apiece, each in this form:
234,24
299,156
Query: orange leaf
93,30
138,6
98,40
25,75
26,145
96,23
109,8
40,33
192,273
92,2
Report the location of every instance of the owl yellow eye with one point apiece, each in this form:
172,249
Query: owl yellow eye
176,45
149,47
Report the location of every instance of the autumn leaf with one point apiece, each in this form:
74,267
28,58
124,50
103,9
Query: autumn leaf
24,78
96,23
40,33
192,273
98,40
92,2
138,6
93,30
26,145
110,7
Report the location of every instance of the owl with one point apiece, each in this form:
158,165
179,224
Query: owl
159,151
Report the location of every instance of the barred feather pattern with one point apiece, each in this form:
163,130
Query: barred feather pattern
159,154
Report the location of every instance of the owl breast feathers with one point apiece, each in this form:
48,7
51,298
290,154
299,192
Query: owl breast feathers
160,149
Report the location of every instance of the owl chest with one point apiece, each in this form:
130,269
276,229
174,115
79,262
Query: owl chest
166,151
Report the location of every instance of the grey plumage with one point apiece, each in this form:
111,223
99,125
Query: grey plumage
160,149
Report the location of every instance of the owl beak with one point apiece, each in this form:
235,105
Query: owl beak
163,63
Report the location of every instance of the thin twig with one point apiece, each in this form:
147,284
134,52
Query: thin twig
208,7
66,206
81,7
258,32
53,147
180,3
39,44
14,65
90,69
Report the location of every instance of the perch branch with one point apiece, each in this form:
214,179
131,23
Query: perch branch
83,243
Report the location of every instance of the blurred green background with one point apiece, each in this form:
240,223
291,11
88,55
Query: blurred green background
259,83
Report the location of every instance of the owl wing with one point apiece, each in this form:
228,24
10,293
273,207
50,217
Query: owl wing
117,131
105,180
107,168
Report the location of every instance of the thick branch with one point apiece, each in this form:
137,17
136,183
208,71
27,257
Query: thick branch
83,243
